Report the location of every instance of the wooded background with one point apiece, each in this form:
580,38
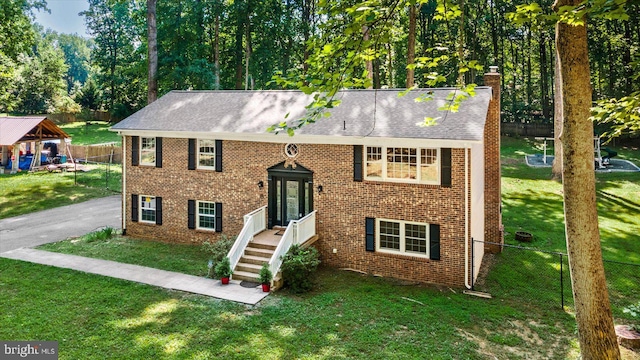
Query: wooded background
223,44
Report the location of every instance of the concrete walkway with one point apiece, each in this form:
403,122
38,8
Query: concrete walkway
141,274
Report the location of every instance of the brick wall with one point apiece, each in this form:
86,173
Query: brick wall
492,194
342,206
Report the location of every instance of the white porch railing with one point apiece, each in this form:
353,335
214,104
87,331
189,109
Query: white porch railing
298,232
254,223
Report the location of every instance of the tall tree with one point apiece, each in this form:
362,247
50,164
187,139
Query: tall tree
593,311
152,46
118,53
16,37
77,54
40,84
411,47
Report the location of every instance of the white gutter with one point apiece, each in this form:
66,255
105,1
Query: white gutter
302,138
124,184
466,219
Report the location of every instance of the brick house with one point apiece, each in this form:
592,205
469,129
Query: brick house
377,193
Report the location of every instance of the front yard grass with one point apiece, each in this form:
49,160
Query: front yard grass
347,316
187,259
25,192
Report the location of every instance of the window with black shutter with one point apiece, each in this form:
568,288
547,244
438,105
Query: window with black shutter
445,164
135,150
158,152
134,207
218,155
434,242
357,163
218,217
192,214
158,210
192,154
370,234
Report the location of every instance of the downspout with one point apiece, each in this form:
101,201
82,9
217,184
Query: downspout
466,219
124,185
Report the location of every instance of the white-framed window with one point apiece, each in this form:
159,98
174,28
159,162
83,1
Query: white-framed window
206,215
148,151
404,237
402,164
147,208
206,154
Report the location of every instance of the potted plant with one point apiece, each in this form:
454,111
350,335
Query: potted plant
223,270
265,277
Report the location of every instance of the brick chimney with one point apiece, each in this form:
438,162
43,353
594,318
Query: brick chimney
493,230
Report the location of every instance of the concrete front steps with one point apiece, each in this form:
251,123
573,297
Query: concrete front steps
255,254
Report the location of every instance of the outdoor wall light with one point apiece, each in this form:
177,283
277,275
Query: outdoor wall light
319,189
260,184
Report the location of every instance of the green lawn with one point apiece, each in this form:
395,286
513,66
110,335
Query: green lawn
186,259
95,133
25,192
347,315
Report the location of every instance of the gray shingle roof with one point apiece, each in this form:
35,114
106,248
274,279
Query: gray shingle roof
362,113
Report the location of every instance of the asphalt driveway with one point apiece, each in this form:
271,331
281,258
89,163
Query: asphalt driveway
61,223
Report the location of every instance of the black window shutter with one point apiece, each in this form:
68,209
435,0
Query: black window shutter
134,207
192,214
158,152
370,234
357,162
218,217
434,242
218,155
158,210
445,167
135,150
192,154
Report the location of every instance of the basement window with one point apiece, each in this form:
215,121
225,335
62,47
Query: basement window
405,237
148,209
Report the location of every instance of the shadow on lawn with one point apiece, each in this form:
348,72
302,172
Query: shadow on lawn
347,316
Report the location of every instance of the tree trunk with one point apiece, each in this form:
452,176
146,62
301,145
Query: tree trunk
238,54
216,50
152,34
528,69
593,312
544,77
368,63
248,50
307,10
461,41
556,168
411,46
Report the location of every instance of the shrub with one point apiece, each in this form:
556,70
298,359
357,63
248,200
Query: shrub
223,269
265,274
634,311
102,234
217,251
298,265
